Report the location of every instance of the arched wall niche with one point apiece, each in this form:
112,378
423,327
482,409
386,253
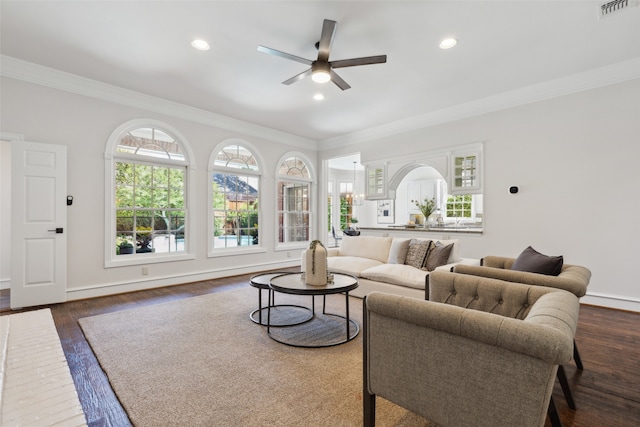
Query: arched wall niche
432,171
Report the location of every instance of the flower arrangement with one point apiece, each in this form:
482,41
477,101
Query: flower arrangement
427,208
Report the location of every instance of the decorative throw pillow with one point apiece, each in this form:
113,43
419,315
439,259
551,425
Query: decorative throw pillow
438,255
418,250
534,262
398,251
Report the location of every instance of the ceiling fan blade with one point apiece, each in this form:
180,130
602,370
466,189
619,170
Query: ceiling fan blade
265,49
341,63
297,77
326,39
338,81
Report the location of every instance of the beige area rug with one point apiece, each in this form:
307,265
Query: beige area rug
201,362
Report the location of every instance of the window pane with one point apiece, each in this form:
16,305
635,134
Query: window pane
236,156
160,198
176,198
124,221
143,174
124,196
143,197
294,167
150,142
124,173
160,176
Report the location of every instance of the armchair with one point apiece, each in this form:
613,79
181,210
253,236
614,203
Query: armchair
572,278
488,356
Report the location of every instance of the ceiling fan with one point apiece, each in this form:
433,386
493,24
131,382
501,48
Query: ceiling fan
321,70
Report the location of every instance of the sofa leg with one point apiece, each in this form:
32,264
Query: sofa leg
562,377
369,405
576,356
553,414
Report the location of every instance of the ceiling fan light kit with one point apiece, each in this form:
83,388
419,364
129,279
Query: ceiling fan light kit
321,70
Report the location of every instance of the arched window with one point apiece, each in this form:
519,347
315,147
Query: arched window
147,166
294,201
234,216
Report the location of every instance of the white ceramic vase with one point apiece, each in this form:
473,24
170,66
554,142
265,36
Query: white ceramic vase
316,261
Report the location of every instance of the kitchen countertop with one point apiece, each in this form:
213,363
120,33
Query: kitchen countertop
446,228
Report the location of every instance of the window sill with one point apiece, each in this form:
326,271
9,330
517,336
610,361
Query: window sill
151,258
292,246
215,253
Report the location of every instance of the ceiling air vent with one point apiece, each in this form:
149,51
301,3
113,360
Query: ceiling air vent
615,6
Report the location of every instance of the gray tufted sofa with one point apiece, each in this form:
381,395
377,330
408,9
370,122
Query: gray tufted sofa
481,352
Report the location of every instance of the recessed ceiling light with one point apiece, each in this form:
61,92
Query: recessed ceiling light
200,44
318,97
448,43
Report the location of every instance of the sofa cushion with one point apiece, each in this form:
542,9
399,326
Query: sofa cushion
418,250
534,262
372,247
350,264
398,251
397,274
454,256
438,255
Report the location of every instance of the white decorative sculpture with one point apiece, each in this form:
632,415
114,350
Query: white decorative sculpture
316,261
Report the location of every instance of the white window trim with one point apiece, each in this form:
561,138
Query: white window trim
113,260
260,173
287,246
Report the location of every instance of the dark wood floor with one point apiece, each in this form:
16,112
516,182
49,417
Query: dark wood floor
607,392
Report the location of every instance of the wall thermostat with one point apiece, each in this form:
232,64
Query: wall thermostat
513,189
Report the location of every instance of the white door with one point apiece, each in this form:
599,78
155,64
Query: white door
38,224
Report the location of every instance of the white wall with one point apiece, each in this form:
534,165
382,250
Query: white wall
575,159
84,124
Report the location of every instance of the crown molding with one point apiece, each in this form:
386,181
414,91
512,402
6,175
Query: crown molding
33,73
612,74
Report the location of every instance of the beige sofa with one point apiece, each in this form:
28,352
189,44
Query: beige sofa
377,263
482,352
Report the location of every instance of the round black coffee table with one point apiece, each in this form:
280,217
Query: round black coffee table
322,331
301,315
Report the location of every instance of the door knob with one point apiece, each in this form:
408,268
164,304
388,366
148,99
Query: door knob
58,230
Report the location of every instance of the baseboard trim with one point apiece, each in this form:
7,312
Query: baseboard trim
611,301
105,289
5,284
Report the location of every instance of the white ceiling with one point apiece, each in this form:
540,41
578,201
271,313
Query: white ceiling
145,46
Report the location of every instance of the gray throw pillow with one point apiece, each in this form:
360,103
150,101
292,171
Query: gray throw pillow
438,255
418,250
534,262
